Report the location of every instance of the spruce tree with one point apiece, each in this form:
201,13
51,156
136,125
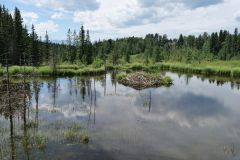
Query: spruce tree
235,42
69,45
82,44
46,48
180,42
35,54
18,37
88,49
74,46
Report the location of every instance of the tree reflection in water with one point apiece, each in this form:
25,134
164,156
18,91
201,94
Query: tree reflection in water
15,97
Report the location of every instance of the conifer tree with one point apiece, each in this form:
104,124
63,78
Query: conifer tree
46,48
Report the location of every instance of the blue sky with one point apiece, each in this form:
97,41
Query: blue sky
113,18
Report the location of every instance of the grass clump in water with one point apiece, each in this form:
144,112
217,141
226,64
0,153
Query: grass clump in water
167,81
84,137
71,135
41,141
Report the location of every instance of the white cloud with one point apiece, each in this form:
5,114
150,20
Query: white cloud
30,17
57,15
130,18
49,26
237,15
109,15
69,5
111,18
188,3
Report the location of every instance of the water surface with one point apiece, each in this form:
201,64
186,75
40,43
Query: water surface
196,118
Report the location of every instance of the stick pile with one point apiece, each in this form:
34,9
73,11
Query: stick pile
140,80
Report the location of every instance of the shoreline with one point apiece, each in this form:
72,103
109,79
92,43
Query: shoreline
209,69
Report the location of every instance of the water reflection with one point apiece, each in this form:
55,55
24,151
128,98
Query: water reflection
15,98
196,118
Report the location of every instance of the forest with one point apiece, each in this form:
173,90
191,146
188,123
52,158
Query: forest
21,46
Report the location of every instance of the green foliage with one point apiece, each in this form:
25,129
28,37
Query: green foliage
84,137
167,81
121,76
79,56
216,68
97,63
41,141
69,66
44,71
236,72
71,135
136,67
75,127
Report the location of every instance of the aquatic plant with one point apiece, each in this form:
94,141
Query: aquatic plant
75,127
121,76
167,81
41,141
84,137
71,135
73,132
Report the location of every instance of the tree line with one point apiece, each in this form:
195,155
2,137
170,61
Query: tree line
220,45
19,46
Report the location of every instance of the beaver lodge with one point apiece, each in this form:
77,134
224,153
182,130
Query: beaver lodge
142,80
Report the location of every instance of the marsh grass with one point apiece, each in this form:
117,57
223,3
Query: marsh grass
121,76
208,68
167,81
71,135
217,68
74,134
66,70
84,137
41,141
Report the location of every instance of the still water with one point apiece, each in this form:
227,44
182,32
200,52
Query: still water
194,119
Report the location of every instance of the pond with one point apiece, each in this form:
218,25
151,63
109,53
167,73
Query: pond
196,118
